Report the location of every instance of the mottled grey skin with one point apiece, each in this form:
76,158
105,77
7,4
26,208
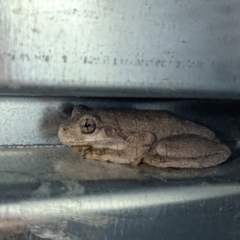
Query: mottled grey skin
158,138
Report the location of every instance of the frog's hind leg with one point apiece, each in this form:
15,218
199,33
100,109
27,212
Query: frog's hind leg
204,162
187,151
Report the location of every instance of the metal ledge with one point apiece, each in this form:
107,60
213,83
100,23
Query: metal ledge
52,193
35,121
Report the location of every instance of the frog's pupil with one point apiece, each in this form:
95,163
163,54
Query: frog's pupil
87,125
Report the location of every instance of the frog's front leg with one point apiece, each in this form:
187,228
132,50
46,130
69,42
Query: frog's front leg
136,145
187,151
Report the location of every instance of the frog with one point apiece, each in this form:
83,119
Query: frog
159,138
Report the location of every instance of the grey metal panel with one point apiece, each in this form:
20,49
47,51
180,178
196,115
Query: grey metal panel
53,193
144,48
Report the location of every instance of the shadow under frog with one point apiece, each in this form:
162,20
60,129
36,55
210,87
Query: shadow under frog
158,138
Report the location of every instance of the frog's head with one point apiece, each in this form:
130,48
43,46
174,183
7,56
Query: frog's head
86,128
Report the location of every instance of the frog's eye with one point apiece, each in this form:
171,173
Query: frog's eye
87,125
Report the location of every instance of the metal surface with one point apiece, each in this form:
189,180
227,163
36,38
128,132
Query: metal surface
52,193
127,48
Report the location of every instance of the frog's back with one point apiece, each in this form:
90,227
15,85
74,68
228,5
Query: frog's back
162,123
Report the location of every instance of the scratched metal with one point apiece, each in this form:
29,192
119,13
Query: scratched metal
146,48
34,121
51,193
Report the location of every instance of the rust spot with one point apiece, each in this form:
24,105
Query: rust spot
64,58
35,30
16,11
47,58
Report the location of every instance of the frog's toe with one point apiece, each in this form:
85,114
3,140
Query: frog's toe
138,160
94,154
89,155
81,149
99,151
153,160
76,149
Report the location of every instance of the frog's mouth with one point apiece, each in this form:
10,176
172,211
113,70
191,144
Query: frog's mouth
106,143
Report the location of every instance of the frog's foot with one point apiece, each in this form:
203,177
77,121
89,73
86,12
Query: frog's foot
202,162
95,154
155,160
108,155
138,160
82,150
